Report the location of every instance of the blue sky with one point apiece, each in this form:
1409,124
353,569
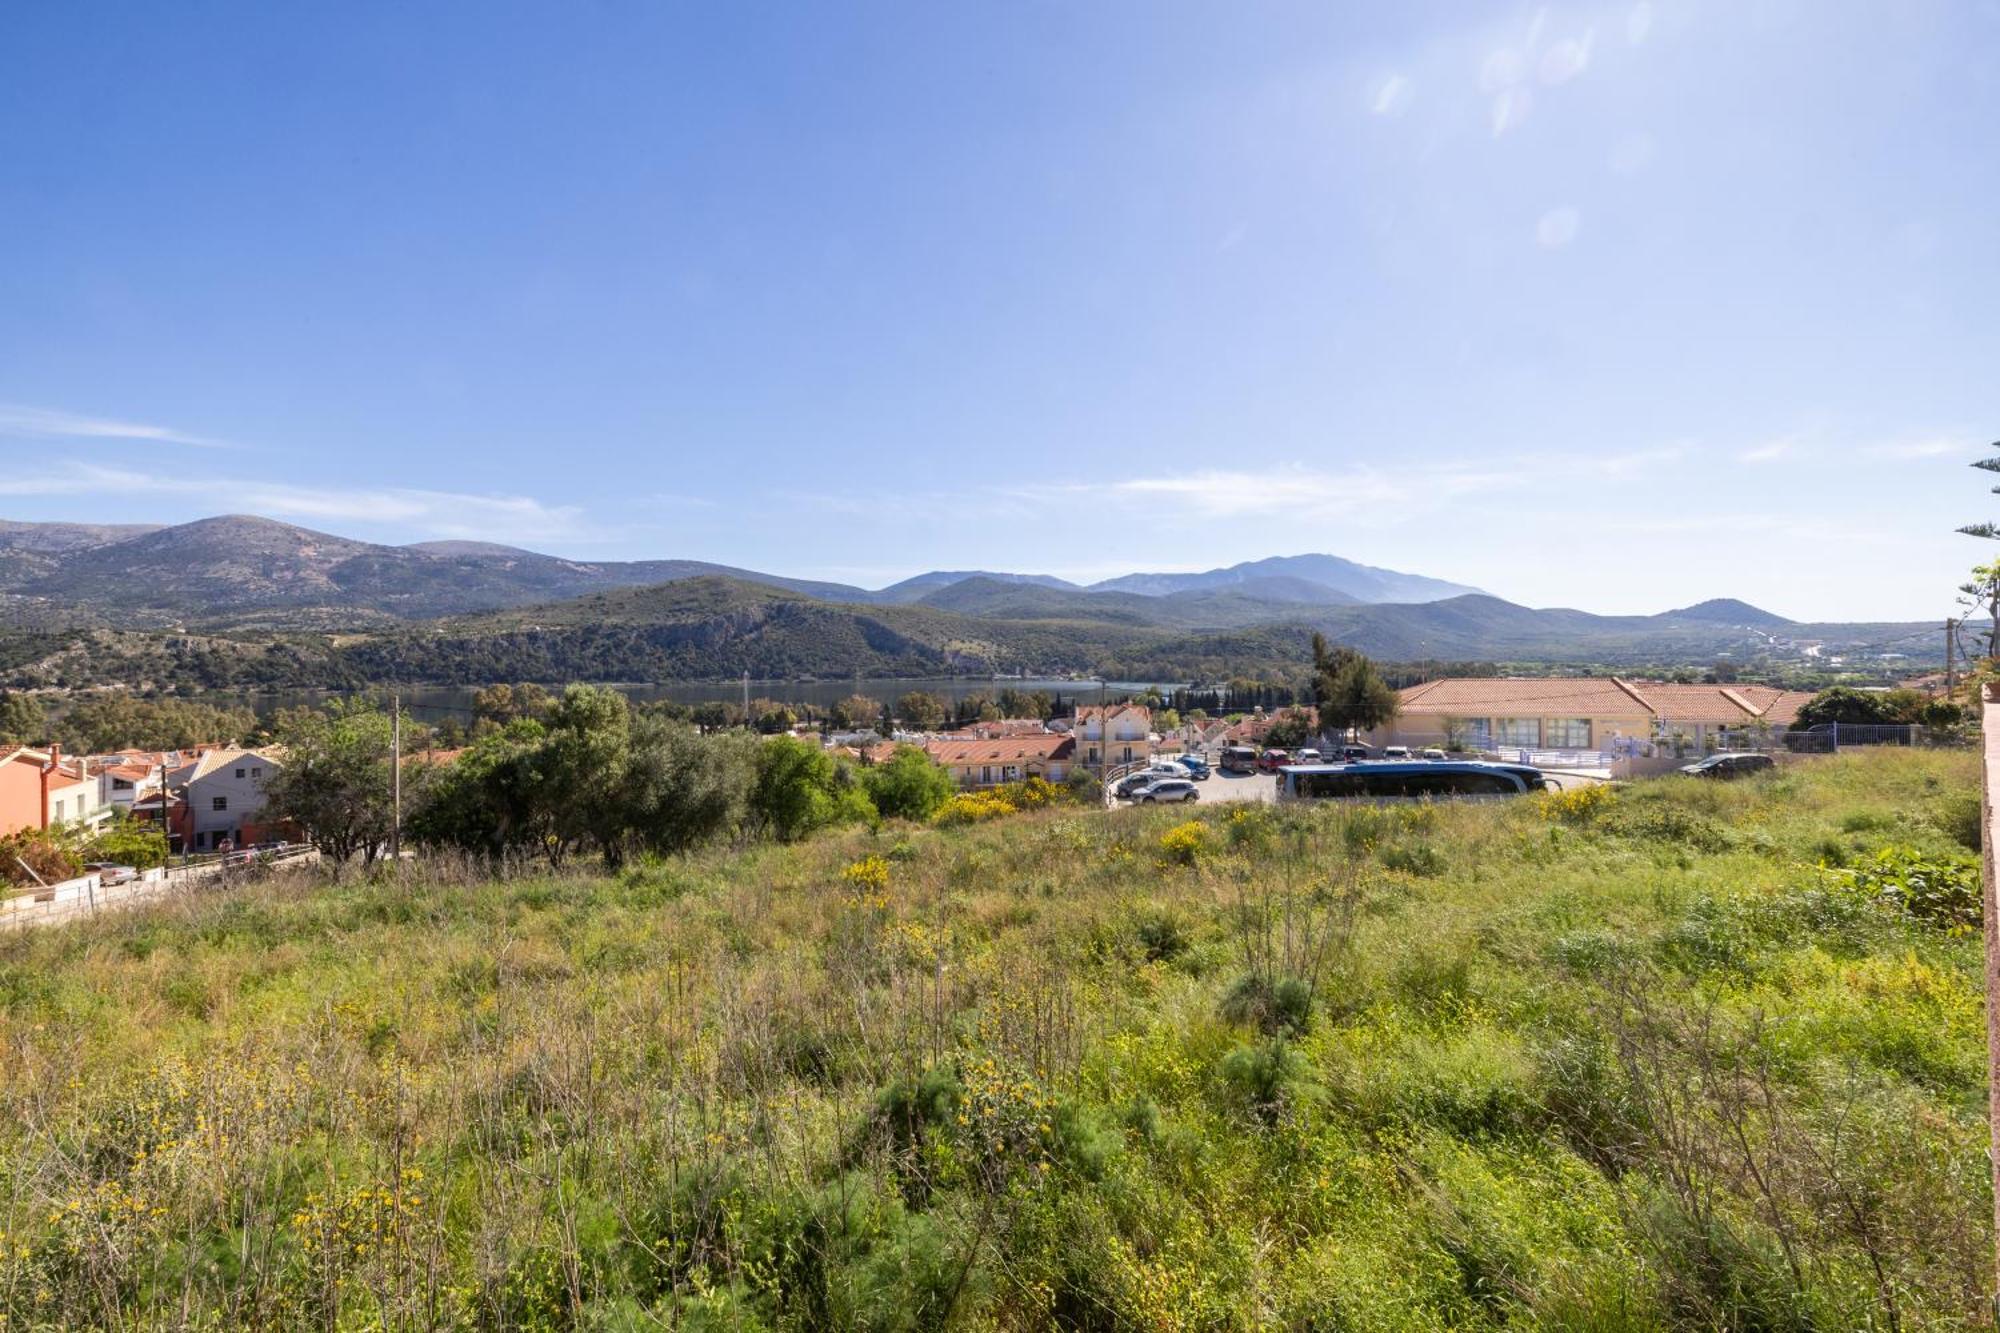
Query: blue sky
1611,306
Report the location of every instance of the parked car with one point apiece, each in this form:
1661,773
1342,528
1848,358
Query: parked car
1437,756
1171,768
1272,760
1354,754
1239,759
1726,766
1168,790
1128,786
1401,752
1306,756
1197,767
109,873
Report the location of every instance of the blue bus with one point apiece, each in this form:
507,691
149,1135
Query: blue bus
1422,779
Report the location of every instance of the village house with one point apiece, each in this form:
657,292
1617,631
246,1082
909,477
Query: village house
40,789
224,792
1006,726
146,812
989,763
1252,730
120,784
1607,714
1117,734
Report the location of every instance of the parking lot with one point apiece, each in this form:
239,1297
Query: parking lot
1221,787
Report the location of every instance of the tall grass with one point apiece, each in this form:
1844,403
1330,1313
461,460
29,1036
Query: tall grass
1669,1059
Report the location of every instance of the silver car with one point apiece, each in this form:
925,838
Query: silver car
1168,790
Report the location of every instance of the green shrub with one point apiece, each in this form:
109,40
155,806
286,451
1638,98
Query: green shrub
1265,1077
1271,1005
1960,816
1420,859
1939,892
1162,935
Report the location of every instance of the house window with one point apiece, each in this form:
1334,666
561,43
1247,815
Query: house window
1566,733
986,773
219,803
239,772
1517,731
59,812
120,784
256,772
1010,774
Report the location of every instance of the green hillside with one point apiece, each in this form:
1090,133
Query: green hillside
1692,1056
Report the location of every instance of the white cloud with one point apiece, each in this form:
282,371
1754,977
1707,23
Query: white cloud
51,423
1565,60
1366,493
1630,463
1510,108
1392,97
1558,227
504,518
1912,450
1772,451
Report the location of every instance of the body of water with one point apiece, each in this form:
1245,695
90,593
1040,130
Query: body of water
436,703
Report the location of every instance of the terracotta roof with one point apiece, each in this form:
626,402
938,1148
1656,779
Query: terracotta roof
1252,729
63,779
1006,726
1603,696
68,772
1113,711
1595,696
1001,749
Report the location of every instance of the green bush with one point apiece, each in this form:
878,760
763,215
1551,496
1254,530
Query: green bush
1272,1005
1267,1076
1941,893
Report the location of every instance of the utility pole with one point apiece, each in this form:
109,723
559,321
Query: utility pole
166,829
1988,700
396,778
746,696
1950,664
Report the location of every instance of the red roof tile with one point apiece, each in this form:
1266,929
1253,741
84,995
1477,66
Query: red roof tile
1001,750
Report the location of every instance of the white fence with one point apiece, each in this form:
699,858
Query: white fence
88,894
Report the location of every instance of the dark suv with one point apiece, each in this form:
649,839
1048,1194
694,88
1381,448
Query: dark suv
1726,766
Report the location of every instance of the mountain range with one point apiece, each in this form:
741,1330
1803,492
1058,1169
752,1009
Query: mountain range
245,600
220,566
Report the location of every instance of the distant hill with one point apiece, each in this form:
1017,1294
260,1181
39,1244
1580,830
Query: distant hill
245,600
221,570
218,568
62,538
1202,608
1728,611
921,585
1351,581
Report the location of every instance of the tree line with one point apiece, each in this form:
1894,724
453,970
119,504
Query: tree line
587,774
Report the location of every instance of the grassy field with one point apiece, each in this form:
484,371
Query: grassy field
1691,1056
